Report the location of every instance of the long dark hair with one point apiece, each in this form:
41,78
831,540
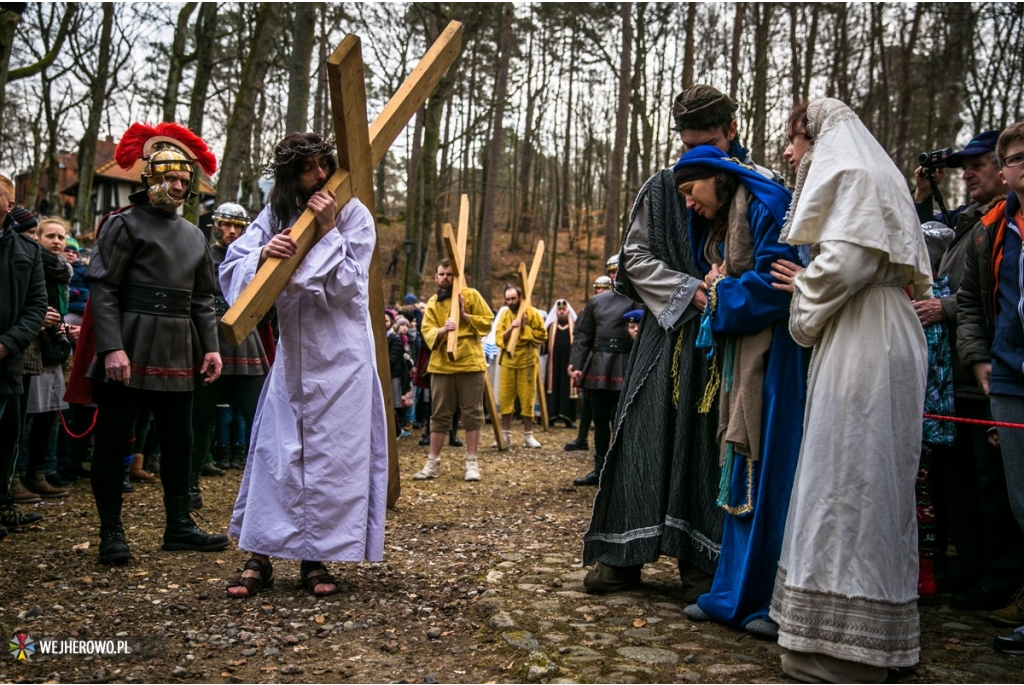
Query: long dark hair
289,156
726,185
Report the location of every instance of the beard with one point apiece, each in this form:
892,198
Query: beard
514,308
563,319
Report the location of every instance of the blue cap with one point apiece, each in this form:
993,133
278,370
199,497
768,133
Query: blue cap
633,316
410,299
979,145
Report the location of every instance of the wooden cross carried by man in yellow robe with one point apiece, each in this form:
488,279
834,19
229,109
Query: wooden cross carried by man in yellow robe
360,149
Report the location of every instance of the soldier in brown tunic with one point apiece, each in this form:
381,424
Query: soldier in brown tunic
151,306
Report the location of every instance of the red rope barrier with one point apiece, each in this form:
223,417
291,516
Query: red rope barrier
88,430
975,422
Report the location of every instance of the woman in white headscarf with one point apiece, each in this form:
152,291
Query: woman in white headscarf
846,592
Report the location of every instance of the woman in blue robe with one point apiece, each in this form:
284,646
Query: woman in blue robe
758,375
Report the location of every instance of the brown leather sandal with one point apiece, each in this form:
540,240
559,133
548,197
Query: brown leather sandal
253,585
309,582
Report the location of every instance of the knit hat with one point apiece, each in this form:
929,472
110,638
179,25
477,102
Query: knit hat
24,220
401,321
702,107
72,244
410,299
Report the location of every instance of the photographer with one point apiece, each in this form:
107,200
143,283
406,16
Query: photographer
968,479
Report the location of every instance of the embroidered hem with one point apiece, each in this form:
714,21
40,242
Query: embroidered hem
866,631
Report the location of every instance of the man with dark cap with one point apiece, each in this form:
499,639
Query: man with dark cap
672,445
968,481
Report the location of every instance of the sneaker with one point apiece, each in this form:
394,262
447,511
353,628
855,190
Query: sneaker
404,434
432,469
472,470
530,441
21,494
1012,614
14,520
1010,644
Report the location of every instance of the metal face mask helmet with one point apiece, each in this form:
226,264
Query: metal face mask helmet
602,283
230,213
165,147
166,157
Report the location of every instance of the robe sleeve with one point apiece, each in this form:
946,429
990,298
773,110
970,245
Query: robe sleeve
534,331
110,260
431,327
243,256
337,267
667,293
480,315
748,303
839,271
504,321
583,338
204,316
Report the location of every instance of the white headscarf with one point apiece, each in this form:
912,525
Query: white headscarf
553,314
848,189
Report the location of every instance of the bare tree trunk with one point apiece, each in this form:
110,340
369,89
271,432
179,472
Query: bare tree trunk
320,98
794,53
569,111
521,225
611,215
961,39
483,255
691,24
205,41
87,146
177,61
243,115
805,89
763,15
907,96
8,24
737,39
303,38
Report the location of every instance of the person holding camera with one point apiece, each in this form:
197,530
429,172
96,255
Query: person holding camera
968,479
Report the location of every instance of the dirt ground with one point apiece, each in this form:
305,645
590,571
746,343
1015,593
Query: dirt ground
481,582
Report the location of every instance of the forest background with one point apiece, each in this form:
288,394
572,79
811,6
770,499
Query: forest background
550,119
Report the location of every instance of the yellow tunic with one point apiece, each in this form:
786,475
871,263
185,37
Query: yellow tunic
469,351
531,337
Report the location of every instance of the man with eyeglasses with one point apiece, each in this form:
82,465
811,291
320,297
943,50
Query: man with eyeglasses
991,344
967,477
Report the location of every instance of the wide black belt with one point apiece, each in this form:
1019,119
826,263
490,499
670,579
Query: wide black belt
617,345
220,305
148,299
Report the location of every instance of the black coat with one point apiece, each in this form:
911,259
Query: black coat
22,303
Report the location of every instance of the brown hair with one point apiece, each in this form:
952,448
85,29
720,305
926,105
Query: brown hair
7,187
797,116
444,262
1010,135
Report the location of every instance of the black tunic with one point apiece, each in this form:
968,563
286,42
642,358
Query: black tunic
249,358
560,404
146,246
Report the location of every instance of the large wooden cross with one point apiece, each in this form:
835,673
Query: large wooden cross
527,280
360,149
455,248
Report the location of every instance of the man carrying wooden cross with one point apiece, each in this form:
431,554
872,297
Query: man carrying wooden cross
315,484
519,371
458,383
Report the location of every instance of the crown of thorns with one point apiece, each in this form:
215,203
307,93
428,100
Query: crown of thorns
287,155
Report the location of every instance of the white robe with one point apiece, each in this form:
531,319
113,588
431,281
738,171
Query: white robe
315,483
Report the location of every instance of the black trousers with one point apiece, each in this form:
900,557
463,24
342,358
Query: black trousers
970,488
603,404
11,421
115,427
586,417
241,392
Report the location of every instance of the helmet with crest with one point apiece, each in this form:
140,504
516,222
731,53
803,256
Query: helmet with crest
165,147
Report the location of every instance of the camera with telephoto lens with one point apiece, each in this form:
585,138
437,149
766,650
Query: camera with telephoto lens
935,159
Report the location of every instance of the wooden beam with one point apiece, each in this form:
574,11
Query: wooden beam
261,293
527,281
543,394
348,114
492,408
455,246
